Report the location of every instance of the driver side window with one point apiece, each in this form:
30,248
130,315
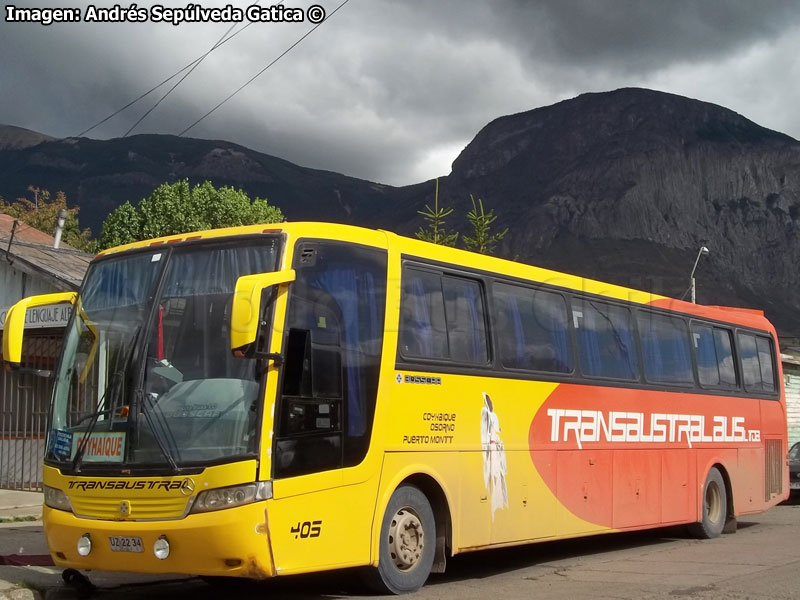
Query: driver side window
332,351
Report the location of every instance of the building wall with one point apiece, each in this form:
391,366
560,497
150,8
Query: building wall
24,397
16,284
24,402
791,377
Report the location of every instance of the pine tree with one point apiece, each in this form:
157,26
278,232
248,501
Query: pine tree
436,231
483,242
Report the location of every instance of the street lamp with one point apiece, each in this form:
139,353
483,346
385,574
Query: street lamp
703,250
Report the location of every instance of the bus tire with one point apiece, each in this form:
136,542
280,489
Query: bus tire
407,543
715,507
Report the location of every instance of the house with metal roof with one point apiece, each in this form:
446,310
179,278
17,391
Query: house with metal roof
30,264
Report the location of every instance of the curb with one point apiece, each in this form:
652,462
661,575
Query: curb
11,514
20,593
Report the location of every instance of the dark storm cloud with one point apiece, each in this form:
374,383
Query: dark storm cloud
638,35
389,90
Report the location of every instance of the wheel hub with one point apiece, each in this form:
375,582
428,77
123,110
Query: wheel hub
406,539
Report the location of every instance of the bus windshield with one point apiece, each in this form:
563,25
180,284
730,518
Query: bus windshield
146,376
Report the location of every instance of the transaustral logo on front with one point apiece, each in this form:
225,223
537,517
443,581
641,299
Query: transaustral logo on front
122,484
586,426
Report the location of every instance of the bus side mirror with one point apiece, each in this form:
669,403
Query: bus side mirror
15,322
246,309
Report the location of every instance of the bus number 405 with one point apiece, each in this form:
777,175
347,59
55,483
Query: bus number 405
307,529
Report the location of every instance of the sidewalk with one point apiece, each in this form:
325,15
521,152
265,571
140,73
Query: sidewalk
22,508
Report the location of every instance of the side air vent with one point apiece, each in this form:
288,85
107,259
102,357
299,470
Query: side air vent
308,256
773,468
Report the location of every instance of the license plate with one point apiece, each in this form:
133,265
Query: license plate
794,485
126,544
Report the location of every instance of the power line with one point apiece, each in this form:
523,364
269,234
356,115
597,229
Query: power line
196,64
254,77
222,41
132,102
154,88
170,90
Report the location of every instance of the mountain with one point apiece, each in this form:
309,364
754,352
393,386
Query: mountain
18,137
622,186
626,186
100,175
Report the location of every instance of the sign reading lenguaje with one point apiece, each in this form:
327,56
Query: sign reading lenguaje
53,315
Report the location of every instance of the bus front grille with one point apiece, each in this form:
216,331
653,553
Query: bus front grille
136,509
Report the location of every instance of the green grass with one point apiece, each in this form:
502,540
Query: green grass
18,519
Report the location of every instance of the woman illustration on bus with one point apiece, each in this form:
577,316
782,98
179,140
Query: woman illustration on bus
494,456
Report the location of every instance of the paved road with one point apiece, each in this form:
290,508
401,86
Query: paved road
760,561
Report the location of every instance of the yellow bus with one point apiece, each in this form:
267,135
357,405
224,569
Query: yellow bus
272,400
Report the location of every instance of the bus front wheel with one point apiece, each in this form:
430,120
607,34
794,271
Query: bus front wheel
407,543
715,507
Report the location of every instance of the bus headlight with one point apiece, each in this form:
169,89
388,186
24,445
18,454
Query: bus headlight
230,497
55,498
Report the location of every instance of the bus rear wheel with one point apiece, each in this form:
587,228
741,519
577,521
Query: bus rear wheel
715,507
407,543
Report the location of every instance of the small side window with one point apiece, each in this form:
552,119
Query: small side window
442,317
423,329
665,348
714,352
724,346
532,329
764,348
466,324
751,371
606,344
706,352
758,357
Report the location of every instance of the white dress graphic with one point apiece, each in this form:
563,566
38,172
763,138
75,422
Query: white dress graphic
494,456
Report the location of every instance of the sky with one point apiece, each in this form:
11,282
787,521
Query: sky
391,90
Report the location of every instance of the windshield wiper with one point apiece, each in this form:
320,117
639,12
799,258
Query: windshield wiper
157,432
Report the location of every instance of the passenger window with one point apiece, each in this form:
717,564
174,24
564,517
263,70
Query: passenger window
442,317
466,325
665,348
765,362
606,345
724,346
423,330
751,372
757,358
714,353
706,351
532,329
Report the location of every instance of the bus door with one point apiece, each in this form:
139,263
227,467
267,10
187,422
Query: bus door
324,490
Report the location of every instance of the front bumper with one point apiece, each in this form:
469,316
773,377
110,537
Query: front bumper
231,542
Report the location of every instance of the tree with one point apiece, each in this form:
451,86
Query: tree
42,214
122,226
178,208
436,231
483,242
